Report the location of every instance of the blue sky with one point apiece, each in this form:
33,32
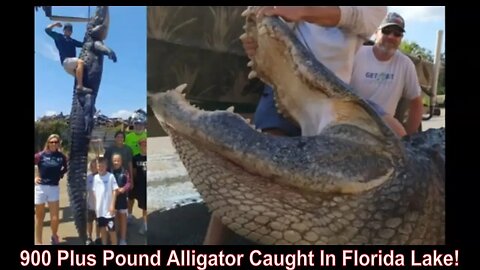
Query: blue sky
123,86
422,24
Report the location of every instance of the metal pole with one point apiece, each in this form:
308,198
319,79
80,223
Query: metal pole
436,67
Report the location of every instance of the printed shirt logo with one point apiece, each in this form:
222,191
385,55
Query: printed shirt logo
379,76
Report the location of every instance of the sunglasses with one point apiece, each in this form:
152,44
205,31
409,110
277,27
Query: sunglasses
388,31
53,142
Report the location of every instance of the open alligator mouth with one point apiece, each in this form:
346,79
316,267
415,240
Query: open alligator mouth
350,181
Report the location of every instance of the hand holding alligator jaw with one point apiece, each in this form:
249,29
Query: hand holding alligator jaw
289,14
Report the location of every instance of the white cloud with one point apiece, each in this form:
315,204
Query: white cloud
420,14
124,114
49,51
50,113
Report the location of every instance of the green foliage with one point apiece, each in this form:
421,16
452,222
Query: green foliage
45,128
414,49
411,47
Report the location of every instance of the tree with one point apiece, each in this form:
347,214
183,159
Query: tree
414,49
411,47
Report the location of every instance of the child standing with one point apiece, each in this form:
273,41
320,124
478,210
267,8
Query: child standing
124,183
91,205
139,190
105,188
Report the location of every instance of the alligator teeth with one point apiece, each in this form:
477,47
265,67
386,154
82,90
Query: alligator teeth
248,120
181,87
245,12
243,36
252,74
230,109
262,30
250,64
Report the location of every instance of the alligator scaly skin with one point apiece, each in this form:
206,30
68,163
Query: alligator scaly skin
81,116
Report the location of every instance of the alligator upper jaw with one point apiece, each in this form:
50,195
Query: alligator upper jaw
305,90
100,23
313,164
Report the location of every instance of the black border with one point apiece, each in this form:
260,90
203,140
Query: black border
461,165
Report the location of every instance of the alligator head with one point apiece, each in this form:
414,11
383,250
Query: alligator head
350,181
99,24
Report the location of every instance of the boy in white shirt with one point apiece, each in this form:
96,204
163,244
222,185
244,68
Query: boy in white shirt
105,189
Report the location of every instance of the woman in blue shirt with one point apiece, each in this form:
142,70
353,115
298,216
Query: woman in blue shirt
52,165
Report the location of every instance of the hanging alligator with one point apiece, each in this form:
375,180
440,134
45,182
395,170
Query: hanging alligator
347,180
83,109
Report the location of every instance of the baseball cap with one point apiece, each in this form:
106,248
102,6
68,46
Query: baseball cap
68,26
393,18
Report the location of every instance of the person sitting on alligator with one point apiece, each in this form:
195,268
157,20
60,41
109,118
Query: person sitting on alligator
68,55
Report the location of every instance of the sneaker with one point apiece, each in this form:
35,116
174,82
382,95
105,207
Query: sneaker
122,242
142,229
54,240
130,219
89,242
98,241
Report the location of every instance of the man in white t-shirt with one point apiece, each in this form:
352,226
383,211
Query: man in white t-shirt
383,74
332,33
105,188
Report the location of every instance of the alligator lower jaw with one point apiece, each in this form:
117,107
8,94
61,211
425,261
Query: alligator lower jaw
275,204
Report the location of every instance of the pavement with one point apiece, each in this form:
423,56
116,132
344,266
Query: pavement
67,231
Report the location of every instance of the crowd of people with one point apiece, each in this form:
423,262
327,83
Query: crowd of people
114,182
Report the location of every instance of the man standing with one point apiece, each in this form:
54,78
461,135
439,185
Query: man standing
383,74
66,46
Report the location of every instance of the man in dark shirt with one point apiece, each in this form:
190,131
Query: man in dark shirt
68,55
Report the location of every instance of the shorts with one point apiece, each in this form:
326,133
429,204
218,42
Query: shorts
376,108
46,193
91,215
121,202
109,223
70,64
140,194
267,117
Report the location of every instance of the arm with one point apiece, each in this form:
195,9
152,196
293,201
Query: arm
99,46
359,19
129,185
415,114
413,93
130,175
324,16
64,166
362,20
50,32
37,178
77,43
114,193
